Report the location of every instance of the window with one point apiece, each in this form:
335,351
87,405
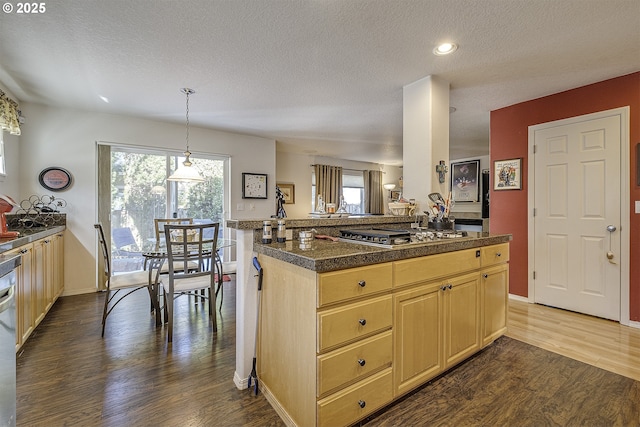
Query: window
140,192
352,191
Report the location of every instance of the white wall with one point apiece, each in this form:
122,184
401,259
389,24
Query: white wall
485,163
67,138
296,169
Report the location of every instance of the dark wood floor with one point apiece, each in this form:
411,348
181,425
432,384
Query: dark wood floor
69,376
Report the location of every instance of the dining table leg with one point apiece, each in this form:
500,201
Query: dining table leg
154,266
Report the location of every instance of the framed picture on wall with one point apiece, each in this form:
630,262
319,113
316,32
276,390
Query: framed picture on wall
507,174
288,192
254,186
465,186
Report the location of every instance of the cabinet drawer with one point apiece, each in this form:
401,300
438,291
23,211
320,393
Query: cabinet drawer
340,325
356,402
349,363
353,283
435,266
494,254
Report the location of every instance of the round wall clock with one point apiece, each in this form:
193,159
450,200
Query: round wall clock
55,179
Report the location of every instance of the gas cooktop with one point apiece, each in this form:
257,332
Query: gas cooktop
388,238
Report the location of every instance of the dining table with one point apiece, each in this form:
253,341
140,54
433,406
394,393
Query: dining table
155,258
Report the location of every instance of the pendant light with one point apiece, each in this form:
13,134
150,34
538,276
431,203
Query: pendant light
186,172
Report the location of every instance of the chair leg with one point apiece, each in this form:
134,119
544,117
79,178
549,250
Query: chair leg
212,308
104,312
168,303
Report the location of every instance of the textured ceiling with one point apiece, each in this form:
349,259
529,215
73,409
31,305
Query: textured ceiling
317,75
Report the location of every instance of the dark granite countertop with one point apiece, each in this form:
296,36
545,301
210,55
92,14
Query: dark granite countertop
254,224
329,256
29,235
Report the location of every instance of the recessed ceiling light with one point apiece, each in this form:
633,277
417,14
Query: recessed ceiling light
445,49
104,98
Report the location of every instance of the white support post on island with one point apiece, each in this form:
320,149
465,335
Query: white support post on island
246,307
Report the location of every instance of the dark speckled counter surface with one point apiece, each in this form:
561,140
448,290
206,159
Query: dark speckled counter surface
8,263
329,256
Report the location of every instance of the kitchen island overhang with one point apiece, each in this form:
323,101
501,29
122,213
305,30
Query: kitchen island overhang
327,255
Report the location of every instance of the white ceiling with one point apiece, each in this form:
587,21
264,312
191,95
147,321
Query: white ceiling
321,76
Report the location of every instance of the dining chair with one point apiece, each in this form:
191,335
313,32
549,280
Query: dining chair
190,244
121,285
159,224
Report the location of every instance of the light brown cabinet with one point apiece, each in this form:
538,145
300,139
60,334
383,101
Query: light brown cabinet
437,325
335,347
25,319
40,283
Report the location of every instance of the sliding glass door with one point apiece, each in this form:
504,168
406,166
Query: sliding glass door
140,192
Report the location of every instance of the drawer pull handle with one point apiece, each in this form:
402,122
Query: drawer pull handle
362,321
362,403
449,286
485,275
361,362
498,254
443,288
362,283
23,251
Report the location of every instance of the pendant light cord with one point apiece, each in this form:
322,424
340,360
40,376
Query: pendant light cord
188,92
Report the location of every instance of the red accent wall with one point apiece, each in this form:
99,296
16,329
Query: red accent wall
509,139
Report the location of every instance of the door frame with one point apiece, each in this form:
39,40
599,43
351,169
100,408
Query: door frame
625,237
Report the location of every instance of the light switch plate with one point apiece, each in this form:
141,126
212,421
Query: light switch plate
638,206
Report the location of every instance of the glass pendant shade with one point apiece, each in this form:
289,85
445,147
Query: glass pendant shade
186,172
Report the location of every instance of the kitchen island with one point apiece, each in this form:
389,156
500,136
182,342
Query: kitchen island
347,328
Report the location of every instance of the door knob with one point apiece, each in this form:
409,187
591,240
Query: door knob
611,228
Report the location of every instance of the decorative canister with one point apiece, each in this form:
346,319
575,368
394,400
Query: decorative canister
331,208
282,231
266,232
306,239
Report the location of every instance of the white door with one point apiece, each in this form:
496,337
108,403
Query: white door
577,215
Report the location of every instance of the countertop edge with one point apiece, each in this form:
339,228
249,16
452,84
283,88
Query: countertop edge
361,255
255,224
10,244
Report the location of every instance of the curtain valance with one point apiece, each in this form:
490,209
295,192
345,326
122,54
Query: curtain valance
9,114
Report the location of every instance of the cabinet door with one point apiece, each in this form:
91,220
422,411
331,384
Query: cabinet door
461,318
48,273
39,277
495,290
24,296
418,336
58,265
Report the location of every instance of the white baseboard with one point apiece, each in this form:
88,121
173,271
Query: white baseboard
518,298
241,383
634,324
67,293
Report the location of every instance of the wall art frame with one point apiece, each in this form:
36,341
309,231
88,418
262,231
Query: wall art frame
254,185
465,183
288,192
507,174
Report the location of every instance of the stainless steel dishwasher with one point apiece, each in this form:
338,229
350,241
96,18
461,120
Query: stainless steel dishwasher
8,340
